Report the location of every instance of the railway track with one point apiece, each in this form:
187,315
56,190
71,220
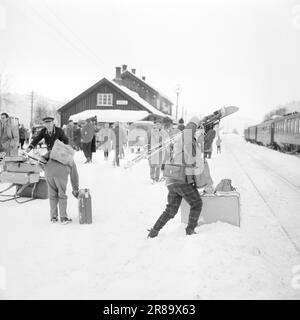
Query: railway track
290,184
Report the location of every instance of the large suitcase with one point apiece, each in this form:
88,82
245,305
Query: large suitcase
85,206
19,177
38,190
23,167
223,207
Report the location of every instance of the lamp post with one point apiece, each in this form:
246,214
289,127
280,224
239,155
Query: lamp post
178,89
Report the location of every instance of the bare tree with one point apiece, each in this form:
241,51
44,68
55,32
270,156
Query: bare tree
4,91
41,111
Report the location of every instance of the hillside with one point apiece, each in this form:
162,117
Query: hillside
19,105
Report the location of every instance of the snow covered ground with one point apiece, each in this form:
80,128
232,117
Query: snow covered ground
113,259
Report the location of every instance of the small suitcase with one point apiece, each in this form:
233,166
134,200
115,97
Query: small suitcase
223,207
23,167
85,206
38,190
19,177
15,159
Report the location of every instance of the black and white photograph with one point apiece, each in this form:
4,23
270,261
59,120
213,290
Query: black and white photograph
150,151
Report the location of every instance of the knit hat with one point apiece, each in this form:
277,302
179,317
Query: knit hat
195,120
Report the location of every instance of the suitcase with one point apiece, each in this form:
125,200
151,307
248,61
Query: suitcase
15,159
223,207
19,177
23,167
38,190
85,206
62,153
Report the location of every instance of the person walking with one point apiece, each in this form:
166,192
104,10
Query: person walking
87,135
187,154
77,136
119,139
9,135
70,133
104,140
208,142
22,136
218,143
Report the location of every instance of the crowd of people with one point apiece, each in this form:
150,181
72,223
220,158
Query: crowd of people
167,145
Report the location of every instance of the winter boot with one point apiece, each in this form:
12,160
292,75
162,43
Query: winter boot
53,220
65,220
152,233
190,232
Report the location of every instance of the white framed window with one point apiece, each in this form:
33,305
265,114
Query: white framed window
104,99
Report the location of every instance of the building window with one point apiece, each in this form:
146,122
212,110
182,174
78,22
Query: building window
104,99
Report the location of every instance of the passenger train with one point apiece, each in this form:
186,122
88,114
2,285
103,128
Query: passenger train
281,133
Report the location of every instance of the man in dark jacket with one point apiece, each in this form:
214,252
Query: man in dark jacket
22,136
50,133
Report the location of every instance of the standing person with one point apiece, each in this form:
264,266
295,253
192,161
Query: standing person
50,133
155,160
27,136
181,124
70,133
118,141
57,175
218,143
87,135
76,136
208,142
187,189
105,139
22,136
9,135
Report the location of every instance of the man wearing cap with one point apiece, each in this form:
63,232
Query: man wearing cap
50,133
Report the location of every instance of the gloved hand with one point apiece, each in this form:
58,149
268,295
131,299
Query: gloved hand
75,193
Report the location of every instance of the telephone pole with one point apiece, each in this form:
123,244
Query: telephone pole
177,94
31,110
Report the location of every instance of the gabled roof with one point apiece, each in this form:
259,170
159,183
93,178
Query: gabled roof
121,89
145,84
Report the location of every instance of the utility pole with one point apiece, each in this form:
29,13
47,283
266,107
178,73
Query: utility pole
31,110
177,94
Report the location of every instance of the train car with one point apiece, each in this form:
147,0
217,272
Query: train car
265,133
287,133
252,134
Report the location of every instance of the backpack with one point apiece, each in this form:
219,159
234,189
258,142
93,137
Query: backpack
225,186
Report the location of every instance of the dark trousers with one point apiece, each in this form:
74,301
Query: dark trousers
178,191
87,150
22,141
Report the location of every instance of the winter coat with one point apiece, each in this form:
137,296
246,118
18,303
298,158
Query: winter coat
157,138
22,133
77,136
9,137
87,133
218,142
187,152
57,133
105,138
70,133
119,137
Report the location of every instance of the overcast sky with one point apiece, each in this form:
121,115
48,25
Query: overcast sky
244,53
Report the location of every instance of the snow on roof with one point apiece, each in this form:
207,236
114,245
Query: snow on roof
140,100
148,85
110,115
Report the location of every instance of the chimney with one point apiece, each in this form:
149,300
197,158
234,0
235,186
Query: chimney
143,78
124,67
118,78
133,71
118,72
